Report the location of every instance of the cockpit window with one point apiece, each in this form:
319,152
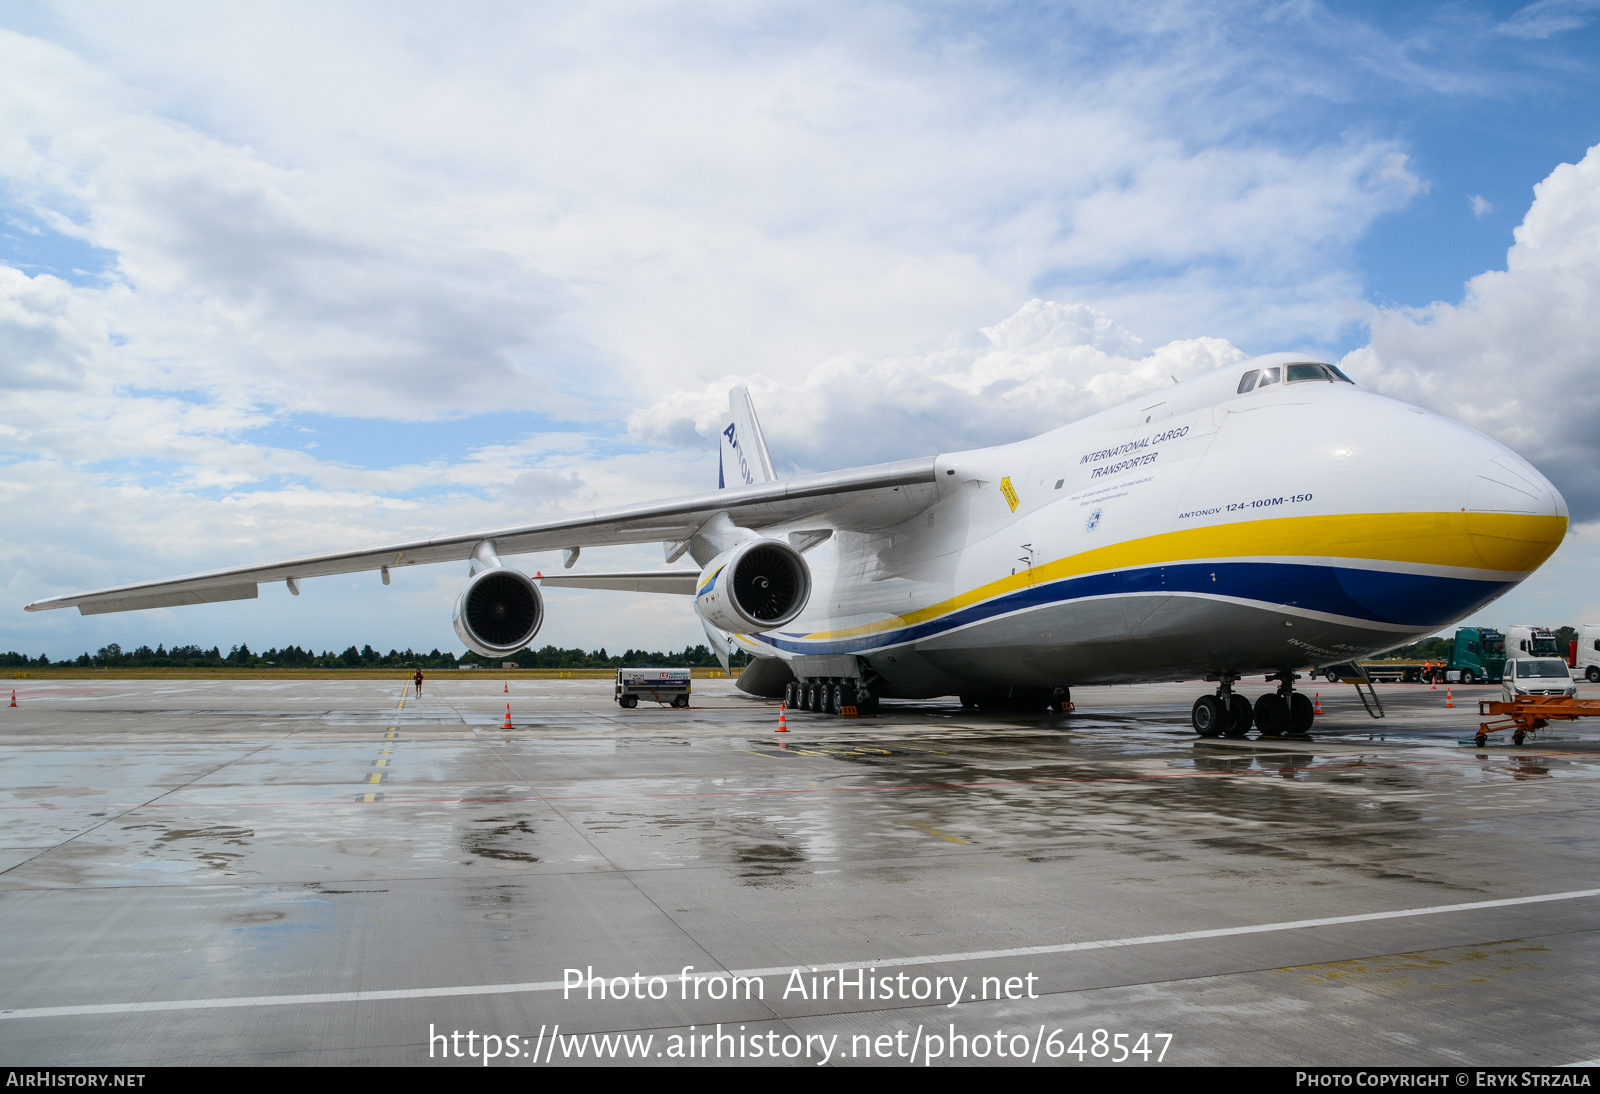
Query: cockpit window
1248,381
1339,375
1269,376
1308,372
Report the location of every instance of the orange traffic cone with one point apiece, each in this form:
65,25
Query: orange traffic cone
1319,702
13,696
508,717
1448,700
783,726
507,688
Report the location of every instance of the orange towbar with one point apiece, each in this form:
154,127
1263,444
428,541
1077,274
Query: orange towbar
1530,714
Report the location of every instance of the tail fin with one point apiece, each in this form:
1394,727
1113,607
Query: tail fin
742,457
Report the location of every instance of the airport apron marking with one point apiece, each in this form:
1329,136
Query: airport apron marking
821,966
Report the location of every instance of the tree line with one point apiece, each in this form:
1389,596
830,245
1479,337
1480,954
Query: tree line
241,656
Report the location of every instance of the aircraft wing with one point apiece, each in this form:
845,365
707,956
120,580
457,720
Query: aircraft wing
865,497
628,581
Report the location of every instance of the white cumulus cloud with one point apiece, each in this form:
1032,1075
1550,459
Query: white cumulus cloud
1519,357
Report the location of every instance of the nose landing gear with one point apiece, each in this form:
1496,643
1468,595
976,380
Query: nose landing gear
1285,712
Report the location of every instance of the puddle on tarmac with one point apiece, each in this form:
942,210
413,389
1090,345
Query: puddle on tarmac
498,842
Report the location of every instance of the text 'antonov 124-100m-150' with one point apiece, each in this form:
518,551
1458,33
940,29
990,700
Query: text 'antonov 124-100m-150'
1238,523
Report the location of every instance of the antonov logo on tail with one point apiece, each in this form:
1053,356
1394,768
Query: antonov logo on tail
733,443
1268,532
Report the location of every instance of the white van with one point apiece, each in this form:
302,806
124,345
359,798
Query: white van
1536,676
1586,662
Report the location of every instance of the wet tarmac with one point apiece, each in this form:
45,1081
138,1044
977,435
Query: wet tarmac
313,872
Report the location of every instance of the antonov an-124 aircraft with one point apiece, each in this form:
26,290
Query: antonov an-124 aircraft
1258,519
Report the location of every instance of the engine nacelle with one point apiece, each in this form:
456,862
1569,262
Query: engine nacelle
499,612
758,585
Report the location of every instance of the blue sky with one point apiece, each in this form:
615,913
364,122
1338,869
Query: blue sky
282,279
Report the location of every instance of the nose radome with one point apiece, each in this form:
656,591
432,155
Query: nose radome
1506,484
1515,517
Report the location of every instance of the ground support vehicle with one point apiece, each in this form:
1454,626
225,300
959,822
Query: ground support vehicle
1529,714
666,686
1584,657
1478,655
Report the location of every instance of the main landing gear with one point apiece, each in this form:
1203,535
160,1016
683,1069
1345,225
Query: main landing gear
830,695
1285,712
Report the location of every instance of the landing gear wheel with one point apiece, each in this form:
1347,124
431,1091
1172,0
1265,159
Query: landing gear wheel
790,699
828,692
1468,676
970,702
814,698
1481,740
1518,737
840,698
1239,717
1301,715
1209,716
1272,715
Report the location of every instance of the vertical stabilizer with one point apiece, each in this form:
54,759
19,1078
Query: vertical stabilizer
742,450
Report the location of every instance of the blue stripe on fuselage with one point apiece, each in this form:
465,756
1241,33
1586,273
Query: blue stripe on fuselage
1412,600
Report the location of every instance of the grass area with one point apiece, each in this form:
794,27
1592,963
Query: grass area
73,673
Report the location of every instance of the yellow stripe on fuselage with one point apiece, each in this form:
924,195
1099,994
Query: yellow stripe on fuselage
1501,542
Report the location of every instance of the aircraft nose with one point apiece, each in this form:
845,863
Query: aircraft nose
1515,517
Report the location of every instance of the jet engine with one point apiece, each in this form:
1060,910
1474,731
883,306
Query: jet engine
499,612
758,585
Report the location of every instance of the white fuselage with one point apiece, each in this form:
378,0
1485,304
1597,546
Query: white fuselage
1190,532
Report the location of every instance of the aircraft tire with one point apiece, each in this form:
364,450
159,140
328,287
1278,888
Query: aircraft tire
825,699
840,698
1271,716
814,698
1301,715
1208,716
1240,718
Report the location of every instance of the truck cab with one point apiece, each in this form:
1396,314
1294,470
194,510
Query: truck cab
1526,640
1586,657
1479,655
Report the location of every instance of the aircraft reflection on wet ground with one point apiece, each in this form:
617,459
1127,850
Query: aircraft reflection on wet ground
171,843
